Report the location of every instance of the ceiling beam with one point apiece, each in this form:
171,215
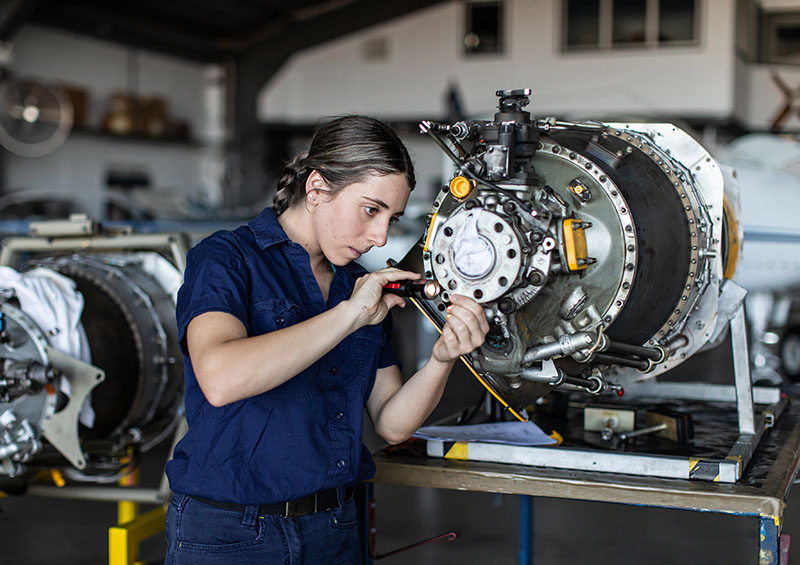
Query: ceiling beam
140,30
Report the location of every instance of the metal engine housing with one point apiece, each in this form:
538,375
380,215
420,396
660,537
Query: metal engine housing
597,250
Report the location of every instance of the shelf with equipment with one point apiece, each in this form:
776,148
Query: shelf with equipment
135,137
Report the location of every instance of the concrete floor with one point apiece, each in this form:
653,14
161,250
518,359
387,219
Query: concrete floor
43,531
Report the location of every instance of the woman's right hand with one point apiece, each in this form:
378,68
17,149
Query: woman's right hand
369,302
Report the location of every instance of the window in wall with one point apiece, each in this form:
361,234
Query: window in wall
781,38
788,40
609,24
629,19
582,18
676,20
484,27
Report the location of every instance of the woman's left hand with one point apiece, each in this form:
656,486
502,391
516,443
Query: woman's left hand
464,331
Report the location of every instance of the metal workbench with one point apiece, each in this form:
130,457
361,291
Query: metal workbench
761,492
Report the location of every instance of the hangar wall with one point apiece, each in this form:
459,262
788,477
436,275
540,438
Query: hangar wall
424,55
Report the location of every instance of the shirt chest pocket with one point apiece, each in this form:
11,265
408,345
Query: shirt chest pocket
270,314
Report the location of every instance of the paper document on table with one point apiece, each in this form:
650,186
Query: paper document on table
514,433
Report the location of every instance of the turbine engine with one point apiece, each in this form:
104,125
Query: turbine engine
597,250
86,412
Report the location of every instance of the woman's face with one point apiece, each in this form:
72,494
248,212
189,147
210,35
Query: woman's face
357,218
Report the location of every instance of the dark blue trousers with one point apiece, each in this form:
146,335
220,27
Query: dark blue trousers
200,534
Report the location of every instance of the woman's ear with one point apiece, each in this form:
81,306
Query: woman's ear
315,184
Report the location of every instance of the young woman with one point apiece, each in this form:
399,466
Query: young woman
286,340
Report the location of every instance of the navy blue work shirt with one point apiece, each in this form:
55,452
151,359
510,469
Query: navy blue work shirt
304,435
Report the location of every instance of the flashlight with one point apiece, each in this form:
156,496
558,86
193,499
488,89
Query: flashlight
423,289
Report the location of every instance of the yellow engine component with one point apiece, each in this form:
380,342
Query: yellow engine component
734,243
460,187
575,244
577,188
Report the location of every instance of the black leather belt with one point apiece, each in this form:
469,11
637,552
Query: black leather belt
317,502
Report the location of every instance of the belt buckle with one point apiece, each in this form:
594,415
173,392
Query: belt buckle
295,508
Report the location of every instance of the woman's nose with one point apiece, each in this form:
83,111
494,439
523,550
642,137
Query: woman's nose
379,233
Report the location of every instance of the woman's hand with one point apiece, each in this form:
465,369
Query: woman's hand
368,299
464,331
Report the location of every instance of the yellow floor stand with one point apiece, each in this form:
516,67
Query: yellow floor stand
132,528
124,539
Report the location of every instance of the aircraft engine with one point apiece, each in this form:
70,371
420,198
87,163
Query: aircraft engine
131,386
598,251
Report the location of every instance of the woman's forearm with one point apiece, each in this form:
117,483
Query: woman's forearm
405,411
235,367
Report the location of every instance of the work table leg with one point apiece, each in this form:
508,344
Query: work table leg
525,549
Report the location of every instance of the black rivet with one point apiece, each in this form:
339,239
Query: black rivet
341,463
339,415
280,321
332,370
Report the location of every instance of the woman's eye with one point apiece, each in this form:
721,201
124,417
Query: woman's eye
371,210
393,219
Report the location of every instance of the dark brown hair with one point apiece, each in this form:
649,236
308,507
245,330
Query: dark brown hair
344,151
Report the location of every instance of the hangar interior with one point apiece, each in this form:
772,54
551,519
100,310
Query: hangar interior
624,172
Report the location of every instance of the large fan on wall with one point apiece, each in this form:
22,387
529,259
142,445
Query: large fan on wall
35,118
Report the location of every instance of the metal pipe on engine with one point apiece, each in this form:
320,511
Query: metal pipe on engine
535,375
567,344
655,354
642,365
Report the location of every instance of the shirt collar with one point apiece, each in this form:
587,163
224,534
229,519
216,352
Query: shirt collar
267,230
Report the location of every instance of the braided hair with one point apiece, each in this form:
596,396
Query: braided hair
344,151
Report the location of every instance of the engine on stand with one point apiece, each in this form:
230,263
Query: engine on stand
131,386
598,251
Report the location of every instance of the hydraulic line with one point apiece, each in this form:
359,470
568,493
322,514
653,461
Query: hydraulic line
611,359
635,350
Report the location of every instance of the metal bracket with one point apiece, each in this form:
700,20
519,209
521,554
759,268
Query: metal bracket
741,373
61,429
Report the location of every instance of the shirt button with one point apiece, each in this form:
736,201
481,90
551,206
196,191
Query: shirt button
341,463
339,415
332,370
